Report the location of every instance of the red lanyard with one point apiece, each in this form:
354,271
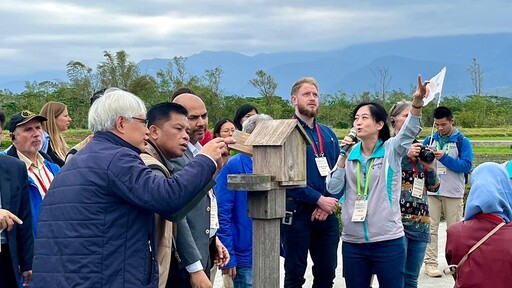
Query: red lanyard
320,141
413,163
41,183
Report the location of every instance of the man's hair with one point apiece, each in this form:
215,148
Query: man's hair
309,80
241,112
97,95
2,119
161,113
251,122
443,112
115,102
180,91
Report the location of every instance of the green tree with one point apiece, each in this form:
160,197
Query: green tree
117,71
266,86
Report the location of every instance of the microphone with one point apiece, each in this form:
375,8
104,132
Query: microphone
353,135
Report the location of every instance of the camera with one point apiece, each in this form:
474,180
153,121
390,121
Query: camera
426,155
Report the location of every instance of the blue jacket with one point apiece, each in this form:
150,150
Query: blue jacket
35,195
316,183
457,163
96,227
235,230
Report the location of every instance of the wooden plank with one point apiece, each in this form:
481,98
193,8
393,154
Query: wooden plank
275,132
266,205
265,254
251,182
239,146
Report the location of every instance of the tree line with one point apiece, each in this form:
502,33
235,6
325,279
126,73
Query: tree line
116,70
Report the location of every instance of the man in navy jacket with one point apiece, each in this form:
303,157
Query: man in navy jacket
16,237
96,227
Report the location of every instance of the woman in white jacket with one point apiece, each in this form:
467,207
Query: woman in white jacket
370,178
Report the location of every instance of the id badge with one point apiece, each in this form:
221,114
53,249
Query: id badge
322,165
441,169
360,209
214,215
417,187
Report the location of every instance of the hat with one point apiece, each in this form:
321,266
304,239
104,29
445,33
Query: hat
23,117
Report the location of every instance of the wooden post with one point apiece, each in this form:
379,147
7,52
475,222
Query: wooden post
279,162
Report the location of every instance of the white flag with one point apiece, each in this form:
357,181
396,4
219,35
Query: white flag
434,87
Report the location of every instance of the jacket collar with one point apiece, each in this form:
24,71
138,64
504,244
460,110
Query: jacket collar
378,151
156,153
303,124
452,138
113,138
13,152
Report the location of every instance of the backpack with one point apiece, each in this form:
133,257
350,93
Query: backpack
460,137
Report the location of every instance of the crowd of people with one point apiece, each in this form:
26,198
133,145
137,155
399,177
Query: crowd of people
144,200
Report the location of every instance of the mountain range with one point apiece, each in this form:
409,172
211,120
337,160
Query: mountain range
351,69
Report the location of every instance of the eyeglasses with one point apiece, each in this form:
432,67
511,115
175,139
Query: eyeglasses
141,120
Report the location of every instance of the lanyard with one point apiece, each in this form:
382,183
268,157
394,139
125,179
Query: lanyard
447,149
413,163
367,181
41,183
320,141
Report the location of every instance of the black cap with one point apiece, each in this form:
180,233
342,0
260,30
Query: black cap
23,117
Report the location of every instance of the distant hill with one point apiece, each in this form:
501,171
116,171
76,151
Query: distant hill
350,69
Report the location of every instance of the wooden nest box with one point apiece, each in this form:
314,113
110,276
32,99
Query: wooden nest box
279,149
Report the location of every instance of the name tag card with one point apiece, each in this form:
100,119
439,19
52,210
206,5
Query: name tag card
322,165
214,214
441,169
360,209
417,187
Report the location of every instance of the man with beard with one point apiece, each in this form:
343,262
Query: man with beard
192,260
310,222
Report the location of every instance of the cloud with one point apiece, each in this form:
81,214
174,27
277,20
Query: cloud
45,35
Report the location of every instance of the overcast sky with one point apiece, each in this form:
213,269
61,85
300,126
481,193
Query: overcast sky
45,35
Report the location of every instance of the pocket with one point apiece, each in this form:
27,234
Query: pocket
148,264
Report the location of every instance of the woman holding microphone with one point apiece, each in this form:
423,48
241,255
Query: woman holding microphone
370,177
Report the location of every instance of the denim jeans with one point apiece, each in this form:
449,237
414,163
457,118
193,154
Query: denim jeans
243,277
415,252
321,238
384,258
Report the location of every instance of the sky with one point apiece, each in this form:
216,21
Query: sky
46,35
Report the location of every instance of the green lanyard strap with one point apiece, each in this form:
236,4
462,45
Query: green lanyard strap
447,149
367,180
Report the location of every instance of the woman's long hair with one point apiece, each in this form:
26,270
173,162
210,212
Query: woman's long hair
51,111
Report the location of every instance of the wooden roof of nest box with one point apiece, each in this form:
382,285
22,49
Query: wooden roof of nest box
278,149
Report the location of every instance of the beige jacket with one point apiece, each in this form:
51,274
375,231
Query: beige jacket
165,232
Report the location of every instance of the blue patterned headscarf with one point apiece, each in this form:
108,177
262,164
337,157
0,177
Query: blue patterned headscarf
491,192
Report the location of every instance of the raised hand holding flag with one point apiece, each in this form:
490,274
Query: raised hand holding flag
434,87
